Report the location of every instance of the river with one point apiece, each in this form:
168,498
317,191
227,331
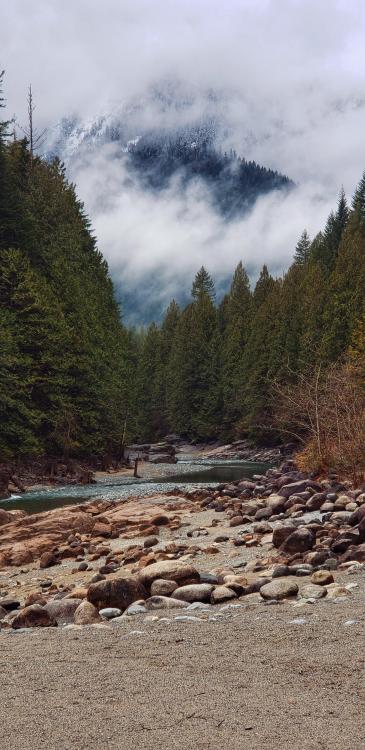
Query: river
183,475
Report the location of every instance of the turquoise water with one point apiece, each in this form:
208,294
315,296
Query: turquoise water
185,475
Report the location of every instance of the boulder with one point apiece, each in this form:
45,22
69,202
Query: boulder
236,521
300,540
279,589
62,611
280,571
3,613
357,516
195,592
34,616
116,592
35,597
295,487
150,541
356,553
49,558
109,613
361,529
281,533
171,570
164,602
334,591
222,594
9,604
264,513
5,517
86,614
322,578
313,592
315,502
161,587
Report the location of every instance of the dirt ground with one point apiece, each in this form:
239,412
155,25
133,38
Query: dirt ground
248,678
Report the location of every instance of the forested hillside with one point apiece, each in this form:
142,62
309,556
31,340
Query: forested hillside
223,369
63,351
234,183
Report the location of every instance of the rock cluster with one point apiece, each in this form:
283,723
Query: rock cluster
302,528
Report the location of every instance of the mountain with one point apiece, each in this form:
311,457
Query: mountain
168,137
170,133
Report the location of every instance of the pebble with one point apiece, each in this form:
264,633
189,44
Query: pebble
187,618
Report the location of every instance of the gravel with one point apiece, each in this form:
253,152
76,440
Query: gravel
256,677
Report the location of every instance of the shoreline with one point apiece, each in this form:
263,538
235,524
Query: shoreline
31,477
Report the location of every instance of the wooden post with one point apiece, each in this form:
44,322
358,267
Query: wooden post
135,469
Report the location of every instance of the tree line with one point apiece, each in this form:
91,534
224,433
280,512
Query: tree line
64,355
220,370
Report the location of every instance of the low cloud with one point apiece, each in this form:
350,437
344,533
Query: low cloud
158,240
285,80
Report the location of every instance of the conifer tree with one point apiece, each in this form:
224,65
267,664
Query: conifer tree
203,284
235,334
302,249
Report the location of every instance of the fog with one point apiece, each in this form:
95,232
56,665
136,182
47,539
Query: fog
285,78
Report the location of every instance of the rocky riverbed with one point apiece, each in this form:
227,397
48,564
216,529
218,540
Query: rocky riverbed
231,615
280,536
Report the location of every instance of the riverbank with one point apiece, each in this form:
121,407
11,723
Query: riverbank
118,600
281,519
46,474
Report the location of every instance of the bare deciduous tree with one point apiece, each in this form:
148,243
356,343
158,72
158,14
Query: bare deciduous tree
35,137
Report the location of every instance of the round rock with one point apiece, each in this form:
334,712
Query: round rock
322,578
280,589
195,592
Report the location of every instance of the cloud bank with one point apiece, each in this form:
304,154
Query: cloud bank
287,77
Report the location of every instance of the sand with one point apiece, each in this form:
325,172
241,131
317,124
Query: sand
251,680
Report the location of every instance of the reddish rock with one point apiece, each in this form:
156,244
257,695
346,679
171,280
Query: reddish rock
300,540
87,614
102,529
281,533
357,516
34,616
172,570
361,528
62,610
49,558
295,487
116,592
354,553
35,597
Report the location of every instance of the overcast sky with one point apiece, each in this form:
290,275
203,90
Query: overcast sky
293,73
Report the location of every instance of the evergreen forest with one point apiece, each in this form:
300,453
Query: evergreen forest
75,382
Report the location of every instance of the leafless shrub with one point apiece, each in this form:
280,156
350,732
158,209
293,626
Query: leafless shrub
325,412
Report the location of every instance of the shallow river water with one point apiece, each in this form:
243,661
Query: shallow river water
183,475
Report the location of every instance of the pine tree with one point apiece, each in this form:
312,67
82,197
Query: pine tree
203,284
346,285
302,249
236,329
